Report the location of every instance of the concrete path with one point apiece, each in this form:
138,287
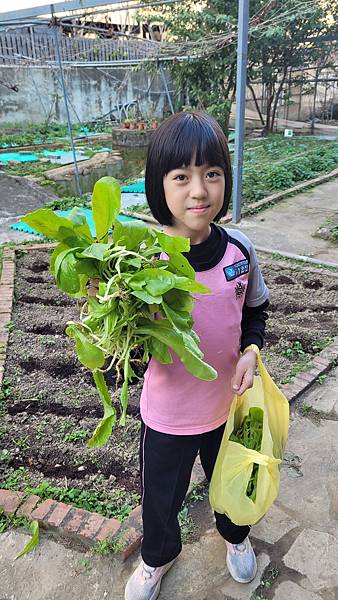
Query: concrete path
290,225
296,543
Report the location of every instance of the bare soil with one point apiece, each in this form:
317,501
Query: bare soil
52,406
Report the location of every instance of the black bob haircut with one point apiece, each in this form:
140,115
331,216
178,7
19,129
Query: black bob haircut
174,144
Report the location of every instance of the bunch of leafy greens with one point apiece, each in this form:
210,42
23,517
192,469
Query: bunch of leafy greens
134,287
250,435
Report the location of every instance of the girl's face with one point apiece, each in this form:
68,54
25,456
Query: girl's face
194,196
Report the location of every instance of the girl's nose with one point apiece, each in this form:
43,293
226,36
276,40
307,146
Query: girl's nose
198,189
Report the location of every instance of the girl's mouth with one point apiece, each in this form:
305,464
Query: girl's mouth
199,209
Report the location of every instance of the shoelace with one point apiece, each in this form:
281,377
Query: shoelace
240,547
148,571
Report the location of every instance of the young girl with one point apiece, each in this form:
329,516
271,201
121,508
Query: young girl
188,185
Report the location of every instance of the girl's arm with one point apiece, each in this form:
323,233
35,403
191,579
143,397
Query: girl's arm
253,325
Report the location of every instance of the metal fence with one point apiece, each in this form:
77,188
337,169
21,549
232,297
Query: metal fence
17,47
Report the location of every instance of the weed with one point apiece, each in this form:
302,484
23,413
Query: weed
15,479
117,503
321,379
186,523
9,326
301,366
7,521
76,436
293,350
106,547
22,443
85,564
320,344
5,456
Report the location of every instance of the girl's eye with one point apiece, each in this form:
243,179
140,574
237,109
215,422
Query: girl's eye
213,174
180,177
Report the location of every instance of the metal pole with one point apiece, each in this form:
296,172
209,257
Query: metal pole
314,103
167,90
242,52
77,176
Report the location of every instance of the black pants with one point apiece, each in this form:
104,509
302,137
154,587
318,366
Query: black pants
166,463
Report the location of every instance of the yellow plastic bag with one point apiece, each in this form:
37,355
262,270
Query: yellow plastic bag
234,462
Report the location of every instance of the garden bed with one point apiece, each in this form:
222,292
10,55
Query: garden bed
50,404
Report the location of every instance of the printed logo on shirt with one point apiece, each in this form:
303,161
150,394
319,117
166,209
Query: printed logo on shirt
239,268
239,289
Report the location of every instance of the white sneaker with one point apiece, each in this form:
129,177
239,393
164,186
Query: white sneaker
241,561
145,582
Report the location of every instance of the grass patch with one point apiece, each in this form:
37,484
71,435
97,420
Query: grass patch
118,503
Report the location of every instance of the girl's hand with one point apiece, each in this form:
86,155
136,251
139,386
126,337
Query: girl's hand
93,287
244,374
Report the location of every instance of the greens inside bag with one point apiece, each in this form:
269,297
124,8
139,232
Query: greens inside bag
250,434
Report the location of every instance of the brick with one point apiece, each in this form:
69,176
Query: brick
59,513
135,518
131,540
10,501
74,520
43,510
28,506
306,377
321,362
91,526
109,528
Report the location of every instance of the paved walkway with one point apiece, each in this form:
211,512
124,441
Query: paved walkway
296,543
290,225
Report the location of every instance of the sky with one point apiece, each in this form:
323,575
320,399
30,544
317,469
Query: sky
17,4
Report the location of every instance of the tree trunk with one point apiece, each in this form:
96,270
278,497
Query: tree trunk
278,93
271,94
256,102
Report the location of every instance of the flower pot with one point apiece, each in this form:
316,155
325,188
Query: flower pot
154,125
132,125
140,126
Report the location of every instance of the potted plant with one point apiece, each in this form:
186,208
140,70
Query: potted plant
132,125
154,124
140,125
126,124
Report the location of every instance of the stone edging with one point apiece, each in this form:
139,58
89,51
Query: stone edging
76,524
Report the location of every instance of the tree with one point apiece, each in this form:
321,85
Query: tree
285,45
202,40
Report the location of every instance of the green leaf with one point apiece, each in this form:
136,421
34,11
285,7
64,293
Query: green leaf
130,234
34,526
88,354
155,281
160,351
179,319
95,251
103,431
172,245
58,250
87,266
163,331
66,275
146,297
179,300
106,204
178,262
183,283
78,217
45,221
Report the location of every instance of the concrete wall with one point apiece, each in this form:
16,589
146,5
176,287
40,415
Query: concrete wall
92,92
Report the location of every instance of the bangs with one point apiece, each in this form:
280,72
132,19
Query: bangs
194,138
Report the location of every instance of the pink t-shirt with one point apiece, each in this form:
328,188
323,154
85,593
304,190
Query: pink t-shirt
173,400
